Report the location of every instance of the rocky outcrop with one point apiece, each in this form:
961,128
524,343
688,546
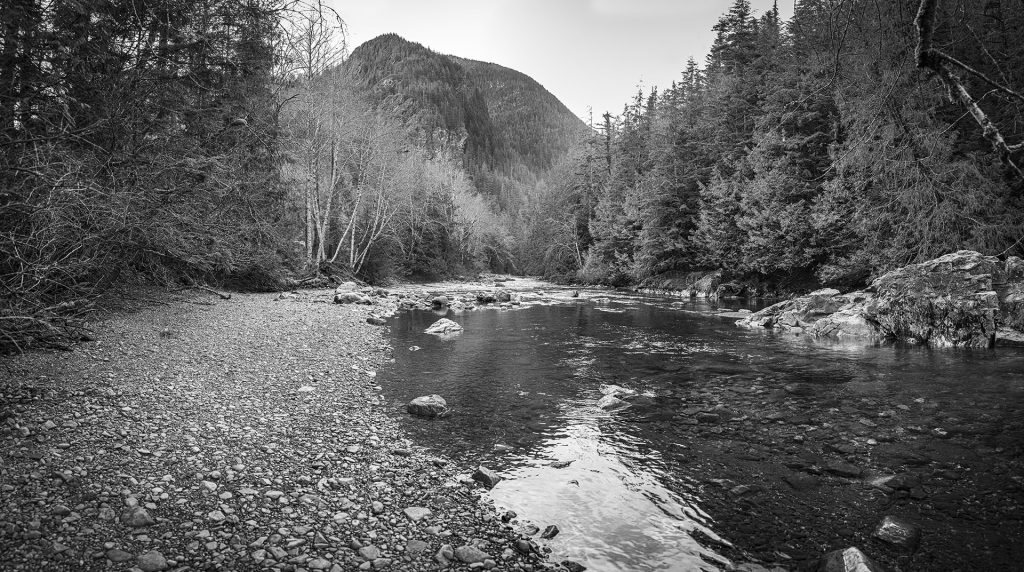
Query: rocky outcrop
693,284
963,299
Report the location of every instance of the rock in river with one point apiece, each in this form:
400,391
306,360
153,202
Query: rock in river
610,402
898,532
848,560
428,406
486,476
444,326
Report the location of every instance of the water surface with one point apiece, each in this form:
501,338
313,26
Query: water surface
719,407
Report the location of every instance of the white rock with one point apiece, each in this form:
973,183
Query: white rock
444,326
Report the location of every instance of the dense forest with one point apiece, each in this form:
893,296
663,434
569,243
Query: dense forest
855,138
237,143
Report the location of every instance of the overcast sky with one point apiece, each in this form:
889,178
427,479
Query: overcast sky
587,52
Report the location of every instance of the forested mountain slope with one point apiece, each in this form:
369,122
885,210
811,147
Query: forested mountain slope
508,129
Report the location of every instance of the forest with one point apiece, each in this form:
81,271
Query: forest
238,144
855,138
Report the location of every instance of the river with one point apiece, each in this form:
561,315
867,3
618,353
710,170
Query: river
739,445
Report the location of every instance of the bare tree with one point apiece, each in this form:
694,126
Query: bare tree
948,68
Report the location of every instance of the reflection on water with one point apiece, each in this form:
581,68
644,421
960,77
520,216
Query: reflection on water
523,385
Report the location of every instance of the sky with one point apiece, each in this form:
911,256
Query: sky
592,54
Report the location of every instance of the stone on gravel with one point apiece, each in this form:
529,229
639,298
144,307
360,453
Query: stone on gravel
152,561
118,555
137,517
318,564
843,469
486,476
470,554
802,482
417,513
369,552
428,406
848,560
443,326
898,532
415,547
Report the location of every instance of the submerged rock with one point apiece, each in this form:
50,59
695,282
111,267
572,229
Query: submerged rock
428,406
898,532
847,560
609,402
616,390
443,326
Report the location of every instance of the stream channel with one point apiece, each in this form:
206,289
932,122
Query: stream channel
744,446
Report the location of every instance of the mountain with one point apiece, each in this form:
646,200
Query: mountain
506,126
537,126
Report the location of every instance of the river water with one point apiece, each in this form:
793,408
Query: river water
727,454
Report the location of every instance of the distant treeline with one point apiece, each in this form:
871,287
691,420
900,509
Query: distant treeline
811,151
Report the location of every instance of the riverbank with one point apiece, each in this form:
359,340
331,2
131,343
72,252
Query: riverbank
200,434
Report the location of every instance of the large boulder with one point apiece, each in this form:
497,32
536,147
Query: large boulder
429,406
444,326
800,312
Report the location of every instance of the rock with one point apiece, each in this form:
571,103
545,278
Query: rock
318,564
118,555
485,298
848,560
417,513
369,552
351,298
550,531
486,476
843,469
439,302
152,561
470,554
796,313
802,482
573,566
137,517
502,296
415,547
443,326
616,390
945,302
375,321
429,406
705,417
898,532
609,402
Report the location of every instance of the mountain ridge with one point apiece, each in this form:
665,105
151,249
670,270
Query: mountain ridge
505,125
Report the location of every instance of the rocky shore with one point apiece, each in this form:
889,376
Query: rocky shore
247,434
962,299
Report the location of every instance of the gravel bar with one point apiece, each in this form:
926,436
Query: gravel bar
249,434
